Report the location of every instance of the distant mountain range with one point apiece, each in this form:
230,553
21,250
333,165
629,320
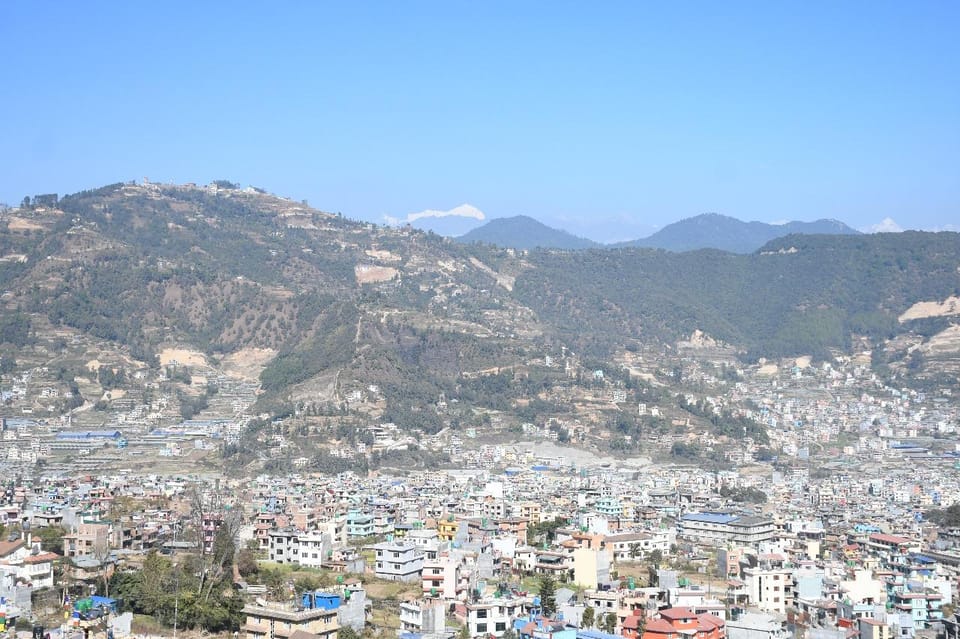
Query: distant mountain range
522,232
712,230
709,230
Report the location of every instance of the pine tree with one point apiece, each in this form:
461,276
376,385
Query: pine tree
589,618
548,599
609,623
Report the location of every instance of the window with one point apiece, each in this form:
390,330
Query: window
481,627
500,626
481,614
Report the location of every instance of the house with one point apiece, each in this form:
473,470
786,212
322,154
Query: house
87,539
491,616
13,551
441,577
427,617
318,617
537,627
398,561
674,623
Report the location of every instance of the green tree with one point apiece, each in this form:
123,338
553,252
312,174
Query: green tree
655,557
51,538
548,596
609,624
589,617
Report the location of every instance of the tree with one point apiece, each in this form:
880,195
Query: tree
634,550
214,559
51,538
609,624
102,553
655,557
548,598
589,617
247,563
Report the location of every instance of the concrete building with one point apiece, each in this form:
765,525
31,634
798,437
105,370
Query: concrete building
769,588
492,616
398,561
721,529
318,616
423,616
590,567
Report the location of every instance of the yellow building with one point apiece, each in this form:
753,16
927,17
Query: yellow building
530,510
447,528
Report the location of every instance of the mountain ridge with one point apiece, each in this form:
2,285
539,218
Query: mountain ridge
713,230
327,299
709,230
524,232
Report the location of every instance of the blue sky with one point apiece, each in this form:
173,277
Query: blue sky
607,119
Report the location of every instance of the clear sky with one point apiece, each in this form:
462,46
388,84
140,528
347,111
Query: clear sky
607,119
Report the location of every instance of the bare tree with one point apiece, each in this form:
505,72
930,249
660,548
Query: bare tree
102,553
216,527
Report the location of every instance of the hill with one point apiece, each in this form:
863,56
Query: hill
725,233
332,314
522,232
799,294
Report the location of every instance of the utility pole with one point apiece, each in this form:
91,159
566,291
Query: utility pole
176,600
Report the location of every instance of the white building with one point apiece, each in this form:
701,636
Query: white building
398,561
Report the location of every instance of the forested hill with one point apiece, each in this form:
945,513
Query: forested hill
226,270
798,294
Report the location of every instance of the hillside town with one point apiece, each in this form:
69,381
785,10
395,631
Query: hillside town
820,532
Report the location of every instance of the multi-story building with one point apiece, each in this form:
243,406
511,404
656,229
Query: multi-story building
87,539
283,546
359,524
770,588
398,561
491,617
425,617
873,629
313,548
318,616
634,546
684,622
447,528
441,577
721,529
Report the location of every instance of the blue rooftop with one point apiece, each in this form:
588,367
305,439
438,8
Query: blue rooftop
595,634
710,518
89,434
